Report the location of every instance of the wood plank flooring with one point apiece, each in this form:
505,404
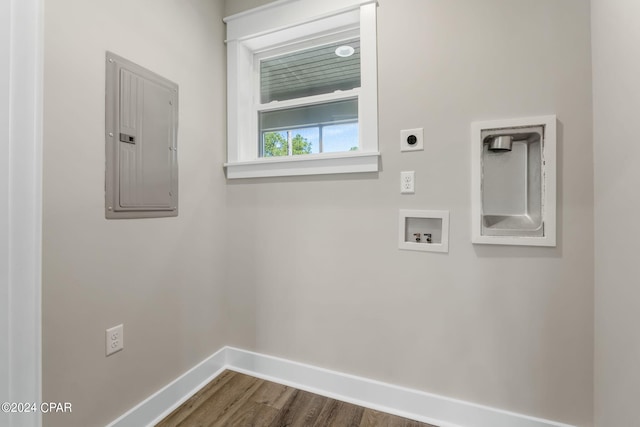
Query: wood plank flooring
234,399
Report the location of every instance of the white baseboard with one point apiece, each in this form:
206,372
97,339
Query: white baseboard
418,405
165,400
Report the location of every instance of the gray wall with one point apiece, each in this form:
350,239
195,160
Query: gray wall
162,278
236,6
616,93
315,272
308,268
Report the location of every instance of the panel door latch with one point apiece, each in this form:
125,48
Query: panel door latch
129,139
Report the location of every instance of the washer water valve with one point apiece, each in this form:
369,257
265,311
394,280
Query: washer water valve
418,237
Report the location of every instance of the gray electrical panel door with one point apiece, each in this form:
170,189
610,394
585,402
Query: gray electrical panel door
141,142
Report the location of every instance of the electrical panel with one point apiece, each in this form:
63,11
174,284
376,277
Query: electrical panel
141,142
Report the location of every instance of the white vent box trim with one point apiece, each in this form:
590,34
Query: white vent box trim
513,170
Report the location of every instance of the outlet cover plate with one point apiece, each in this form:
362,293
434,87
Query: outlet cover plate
412,139
407,182
114,339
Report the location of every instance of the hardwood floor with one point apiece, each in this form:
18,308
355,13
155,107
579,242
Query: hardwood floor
234,399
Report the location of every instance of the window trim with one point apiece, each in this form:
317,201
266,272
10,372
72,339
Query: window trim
292,23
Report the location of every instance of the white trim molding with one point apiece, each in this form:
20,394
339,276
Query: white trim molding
283,14
308,165
405,402
21,81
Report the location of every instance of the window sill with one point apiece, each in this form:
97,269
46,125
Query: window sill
311,164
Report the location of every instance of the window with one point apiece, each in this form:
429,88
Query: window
309,129
302,89
331,125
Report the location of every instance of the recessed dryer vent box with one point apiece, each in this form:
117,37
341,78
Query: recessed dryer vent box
424,230
514,181
141,142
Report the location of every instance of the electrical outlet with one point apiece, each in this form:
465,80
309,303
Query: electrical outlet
407,182
114,339
411,139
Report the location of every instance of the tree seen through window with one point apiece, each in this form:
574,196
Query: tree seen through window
277,144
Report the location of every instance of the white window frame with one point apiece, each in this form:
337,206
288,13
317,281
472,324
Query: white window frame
283,26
